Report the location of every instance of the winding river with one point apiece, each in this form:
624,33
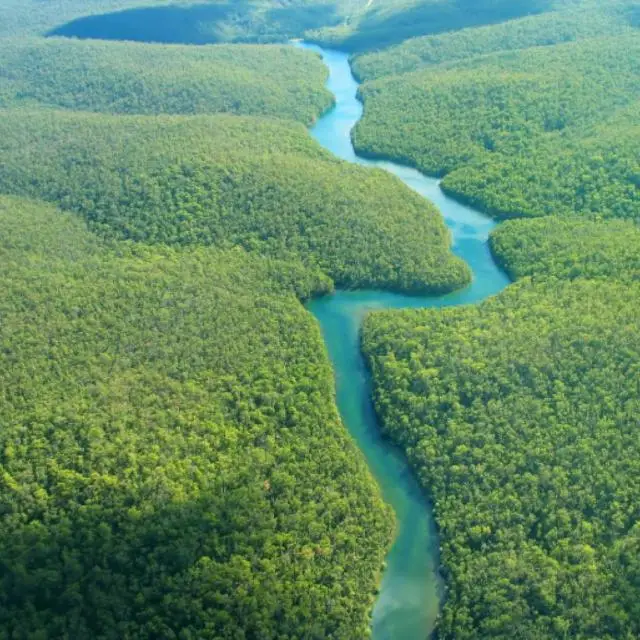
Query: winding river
411,589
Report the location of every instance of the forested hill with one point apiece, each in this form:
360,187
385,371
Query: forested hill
184,21
382,23
531,132
568,248
556,27
119,77
173,20
521,418
226,180
172,464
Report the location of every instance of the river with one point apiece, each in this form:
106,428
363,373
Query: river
411,590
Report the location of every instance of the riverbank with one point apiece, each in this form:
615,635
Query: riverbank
411,590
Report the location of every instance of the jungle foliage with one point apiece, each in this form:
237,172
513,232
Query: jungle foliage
568,248
227,180
539,30
521,418
386,22
124,77
172,464
520,133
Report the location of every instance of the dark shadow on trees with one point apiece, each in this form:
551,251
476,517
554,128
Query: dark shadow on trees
121,568
187,25
200,24
379,29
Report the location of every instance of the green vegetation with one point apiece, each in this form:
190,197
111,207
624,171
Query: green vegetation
119,77
386,22
206,23
568,248
533,31
228,180
173,20
172,464
520,417
349,24
524,133
595,175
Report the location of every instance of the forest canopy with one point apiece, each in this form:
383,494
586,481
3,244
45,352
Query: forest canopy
568,248
539,131
545,29
172,463
135,78
226,180
520,417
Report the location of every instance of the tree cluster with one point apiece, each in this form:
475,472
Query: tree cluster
520,417
226,180
568,248
139,78
172,464
538,131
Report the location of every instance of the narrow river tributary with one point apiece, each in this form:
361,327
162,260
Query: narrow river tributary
411,588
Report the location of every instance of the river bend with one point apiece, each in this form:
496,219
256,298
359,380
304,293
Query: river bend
411,588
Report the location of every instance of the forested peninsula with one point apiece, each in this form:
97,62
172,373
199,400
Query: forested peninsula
142,78
519,122
173,464
224,180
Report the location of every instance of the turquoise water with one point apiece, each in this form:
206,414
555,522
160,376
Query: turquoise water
411,588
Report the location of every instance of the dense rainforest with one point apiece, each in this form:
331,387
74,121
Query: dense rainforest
568,248
545,29
137,78
155,423
522,132
520,416
226,180
172,464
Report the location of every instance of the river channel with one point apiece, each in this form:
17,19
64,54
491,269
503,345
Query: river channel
411,590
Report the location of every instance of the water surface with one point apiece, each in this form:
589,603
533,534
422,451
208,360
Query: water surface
411,588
